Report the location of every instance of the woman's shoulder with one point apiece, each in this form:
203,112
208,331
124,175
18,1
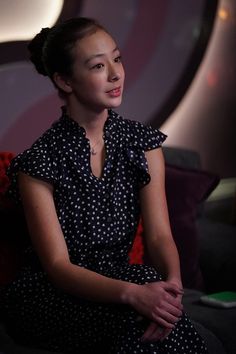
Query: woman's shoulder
39,160
44,146
139,133
49,138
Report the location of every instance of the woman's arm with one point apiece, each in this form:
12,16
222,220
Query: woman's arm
50,245
159,242
160,245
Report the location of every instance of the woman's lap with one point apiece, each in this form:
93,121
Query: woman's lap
60,322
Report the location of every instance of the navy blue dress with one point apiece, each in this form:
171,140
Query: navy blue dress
98,217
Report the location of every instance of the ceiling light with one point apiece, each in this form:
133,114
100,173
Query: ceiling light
22,20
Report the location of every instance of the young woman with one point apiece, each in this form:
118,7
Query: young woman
82,185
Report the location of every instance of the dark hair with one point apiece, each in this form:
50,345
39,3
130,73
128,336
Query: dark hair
51,49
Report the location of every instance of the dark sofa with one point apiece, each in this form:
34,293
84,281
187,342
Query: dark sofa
206,243
214,230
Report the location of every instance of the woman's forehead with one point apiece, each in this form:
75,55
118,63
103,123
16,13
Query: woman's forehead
97,44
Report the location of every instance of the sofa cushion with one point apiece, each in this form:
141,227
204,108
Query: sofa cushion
185,190
136,255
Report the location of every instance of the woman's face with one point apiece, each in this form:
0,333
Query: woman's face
98,74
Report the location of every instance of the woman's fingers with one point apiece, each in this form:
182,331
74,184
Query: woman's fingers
175,302
165,333
156,302
163,322
173,288
153,333
166,314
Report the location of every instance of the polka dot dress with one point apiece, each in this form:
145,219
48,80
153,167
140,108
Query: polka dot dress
98,217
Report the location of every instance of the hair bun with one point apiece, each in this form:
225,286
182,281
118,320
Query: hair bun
35,48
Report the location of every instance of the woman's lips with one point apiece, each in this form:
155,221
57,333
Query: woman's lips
115,92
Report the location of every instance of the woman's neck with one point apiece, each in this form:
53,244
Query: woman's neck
93,122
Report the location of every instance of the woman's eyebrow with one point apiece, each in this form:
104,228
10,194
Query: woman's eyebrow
98,55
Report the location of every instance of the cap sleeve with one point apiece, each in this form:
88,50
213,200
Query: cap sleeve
144,138
36,162
147,137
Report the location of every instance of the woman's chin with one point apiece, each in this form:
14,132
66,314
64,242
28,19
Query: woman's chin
116,102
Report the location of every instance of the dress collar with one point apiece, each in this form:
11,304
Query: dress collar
109,126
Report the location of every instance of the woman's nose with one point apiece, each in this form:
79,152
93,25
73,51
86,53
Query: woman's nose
114,75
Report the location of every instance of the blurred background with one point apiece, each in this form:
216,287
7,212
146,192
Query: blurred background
180,61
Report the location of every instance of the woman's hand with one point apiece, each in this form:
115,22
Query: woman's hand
159,302
154,331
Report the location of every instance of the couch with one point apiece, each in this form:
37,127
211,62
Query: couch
214,230
206,244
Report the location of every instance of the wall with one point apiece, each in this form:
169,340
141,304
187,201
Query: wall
205,119
158,39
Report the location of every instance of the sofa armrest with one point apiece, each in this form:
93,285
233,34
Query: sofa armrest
216,326
217,254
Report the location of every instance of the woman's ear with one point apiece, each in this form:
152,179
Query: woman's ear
62,83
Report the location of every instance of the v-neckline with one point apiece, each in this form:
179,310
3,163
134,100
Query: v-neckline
101,177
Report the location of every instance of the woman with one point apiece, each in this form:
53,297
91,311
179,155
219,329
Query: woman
82,185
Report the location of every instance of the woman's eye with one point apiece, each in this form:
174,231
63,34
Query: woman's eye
118,59
98,66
